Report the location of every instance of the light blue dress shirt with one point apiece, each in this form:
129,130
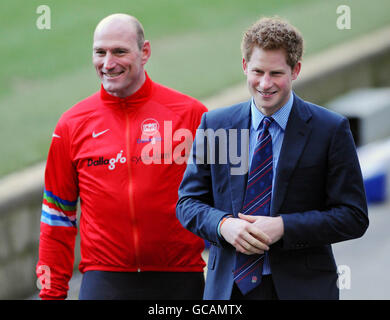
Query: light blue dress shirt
276,130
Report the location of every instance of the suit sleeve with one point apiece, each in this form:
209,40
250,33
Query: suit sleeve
195,208
345,216
58,219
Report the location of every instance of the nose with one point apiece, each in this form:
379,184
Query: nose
266,82
109,61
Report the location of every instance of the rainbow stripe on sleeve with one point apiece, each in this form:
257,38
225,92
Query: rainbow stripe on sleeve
58,212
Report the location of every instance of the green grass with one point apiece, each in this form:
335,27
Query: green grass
195,49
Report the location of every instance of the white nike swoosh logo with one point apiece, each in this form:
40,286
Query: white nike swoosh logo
56,135
95,135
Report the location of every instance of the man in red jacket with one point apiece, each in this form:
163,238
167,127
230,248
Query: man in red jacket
122,152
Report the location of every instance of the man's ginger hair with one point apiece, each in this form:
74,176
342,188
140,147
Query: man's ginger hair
273,34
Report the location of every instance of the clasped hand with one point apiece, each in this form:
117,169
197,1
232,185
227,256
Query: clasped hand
252,234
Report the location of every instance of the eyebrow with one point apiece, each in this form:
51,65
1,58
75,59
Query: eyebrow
112,49
271,71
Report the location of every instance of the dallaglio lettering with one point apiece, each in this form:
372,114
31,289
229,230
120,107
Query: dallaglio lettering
110,162
99,162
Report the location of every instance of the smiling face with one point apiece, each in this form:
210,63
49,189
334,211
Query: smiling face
269,78
118,60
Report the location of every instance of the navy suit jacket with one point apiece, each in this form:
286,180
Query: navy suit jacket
318,192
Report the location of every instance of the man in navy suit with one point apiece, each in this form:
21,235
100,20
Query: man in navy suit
317,196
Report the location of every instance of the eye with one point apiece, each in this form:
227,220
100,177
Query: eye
120,52
100,52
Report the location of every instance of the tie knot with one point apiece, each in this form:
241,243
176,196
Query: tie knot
267,122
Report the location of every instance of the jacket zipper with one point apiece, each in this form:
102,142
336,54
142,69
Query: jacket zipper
131,202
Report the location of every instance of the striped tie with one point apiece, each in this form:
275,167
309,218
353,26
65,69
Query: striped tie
247,274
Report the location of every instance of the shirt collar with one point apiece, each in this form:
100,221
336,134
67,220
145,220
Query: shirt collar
280,116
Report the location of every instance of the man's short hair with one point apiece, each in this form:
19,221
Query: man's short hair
140,33
272,34
139,30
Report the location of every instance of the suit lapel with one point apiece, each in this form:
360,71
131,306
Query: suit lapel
239,120
295,138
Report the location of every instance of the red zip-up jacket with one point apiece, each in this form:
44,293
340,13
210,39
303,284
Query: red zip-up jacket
124,158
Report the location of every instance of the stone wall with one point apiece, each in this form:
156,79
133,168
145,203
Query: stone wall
20,212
